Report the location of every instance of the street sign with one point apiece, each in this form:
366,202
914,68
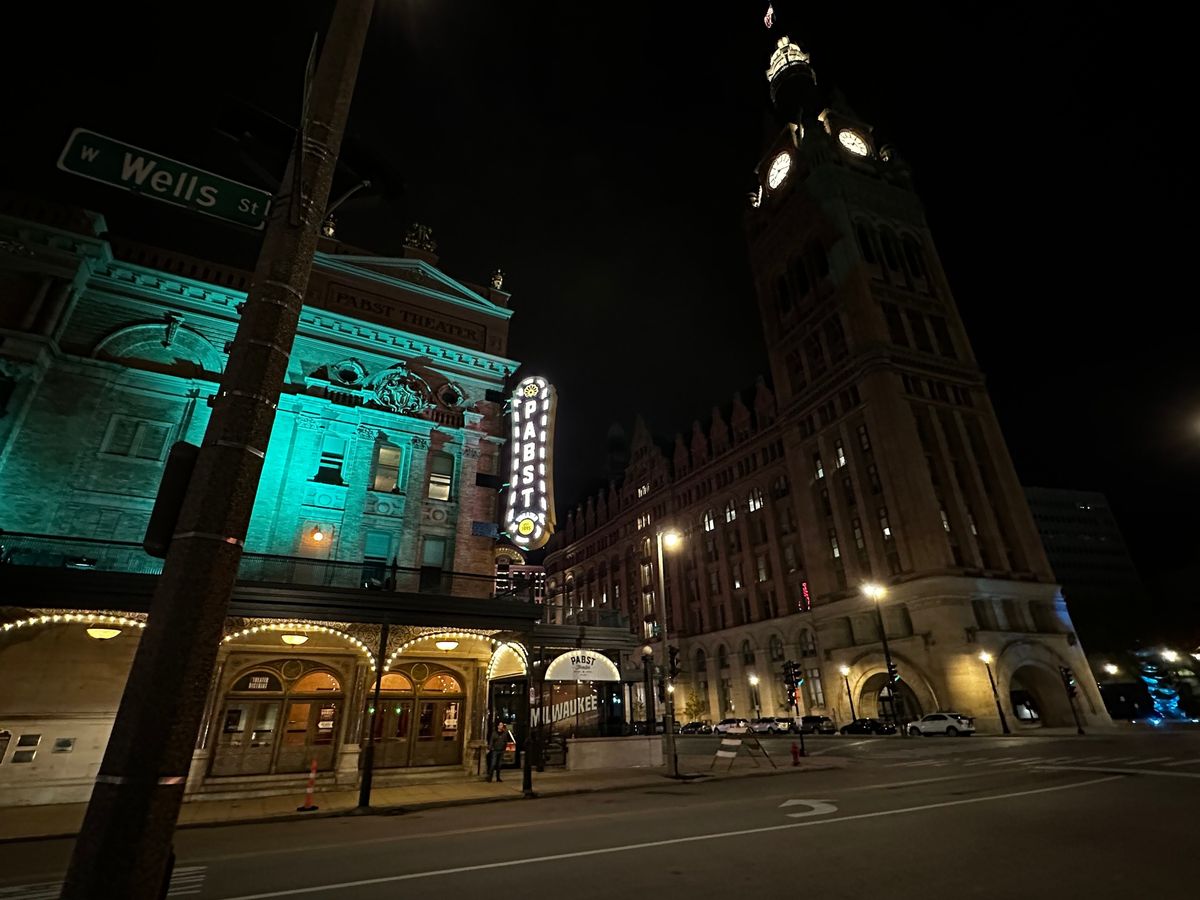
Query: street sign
130,168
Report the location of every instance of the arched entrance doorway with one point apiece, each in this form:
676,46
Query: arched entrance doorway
420,721
1037,697
279,716
873,700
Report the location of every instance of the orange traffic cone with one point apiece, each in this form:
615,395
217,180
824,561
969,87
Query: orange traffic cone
308,794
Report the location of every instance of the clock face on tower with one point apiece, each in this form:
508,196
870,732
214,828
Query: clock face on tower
780,166
853,142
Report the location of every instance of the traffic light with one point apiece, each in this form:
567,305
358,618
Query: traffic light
673,662
1068,678
893,674
789,675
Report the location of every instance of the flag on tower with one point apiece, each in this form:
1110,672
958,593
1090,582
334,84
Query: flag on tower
769,18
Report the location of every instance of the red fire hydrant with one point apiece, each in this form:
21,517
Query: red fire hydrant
795,754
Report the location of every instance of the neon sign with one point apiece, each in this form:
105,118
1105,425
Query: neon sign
529,519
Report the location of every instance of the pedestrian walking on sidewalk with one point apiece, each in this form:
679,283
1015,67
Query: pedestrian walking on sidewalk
497,744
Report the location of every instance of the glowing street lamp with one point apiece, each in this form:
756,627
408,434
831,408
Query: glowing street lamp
875,593
671,539
845,672
986,659
1111,669
754,693
1170,656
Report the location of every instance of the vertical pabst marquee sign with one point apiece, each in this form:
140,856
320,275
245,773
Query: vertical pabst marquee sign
529,519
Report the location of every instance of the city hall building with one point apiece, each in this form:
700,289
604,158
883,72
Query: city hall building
876,458
370,563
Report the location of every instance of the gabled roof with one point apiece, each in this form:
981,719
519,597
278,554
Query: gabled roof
413,275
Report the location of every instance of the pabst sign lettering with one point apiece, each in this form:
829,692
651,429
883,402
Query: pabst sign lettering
582,665
529,517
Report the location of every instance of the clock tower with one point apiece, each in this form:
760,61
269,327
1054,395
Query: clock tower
902,473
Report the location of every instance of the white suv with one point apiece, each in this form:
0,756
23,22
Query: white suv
947,723
732,726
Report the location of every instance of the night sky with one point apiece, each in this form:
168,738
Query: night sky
600,153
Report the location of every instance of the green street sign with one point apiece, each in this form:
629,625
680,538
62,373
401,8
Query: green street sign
103,159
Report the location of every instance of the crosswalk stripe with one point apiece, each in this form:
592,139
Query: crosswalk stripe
1184,762
1150,762
185,880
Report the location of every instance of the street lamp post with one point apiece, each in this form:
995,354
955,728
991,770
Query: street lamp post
845,670
754,695
124,844
648,686
669,539
876,593
986,658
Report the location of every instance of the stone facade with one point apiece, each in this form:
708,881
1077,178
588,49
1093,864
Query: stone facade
877,458
376,471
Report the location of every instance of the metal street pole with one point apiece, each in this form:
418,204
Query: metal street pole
648,687
669,701
996,696
1067,675
368,764
887,656
124,847
849,696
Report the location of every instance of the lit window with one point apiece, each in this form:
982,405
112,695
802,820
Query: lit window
756,500
945,520
883,523
833,544
737,576
643,490
730,511
841,453
817,467
643,521
441,475
764,567
387,468
710,520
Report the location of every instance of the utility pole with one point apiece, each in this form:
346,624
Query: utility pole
124,846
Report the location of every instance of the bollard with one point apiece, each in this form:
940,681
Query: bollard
795,754
308,794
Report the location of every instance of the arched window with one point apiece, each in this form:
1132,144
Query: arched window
775,647
395,681
730,511
722,657
316,682
817,260
913,257
808,646
783,296
441,683
710,520
755,501
799,277
747,654
866,245
889,249
701,662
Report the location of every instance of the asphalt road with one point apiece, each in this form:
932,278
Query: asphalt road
1071,817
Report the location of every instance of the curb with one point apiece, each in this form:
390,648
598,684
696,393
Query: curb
404,809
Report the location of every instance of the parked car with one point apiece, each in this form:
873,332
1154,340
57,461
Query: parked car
817,725
734,726
772,725
696,728
869,726
947,723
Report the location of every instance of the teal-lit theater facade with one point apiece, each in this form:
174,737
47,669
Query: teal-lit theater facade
374,528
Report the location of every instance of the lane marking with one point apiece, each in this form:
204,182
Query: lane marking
1121,770
1148,762
1185,762
895,784
815,808
602,851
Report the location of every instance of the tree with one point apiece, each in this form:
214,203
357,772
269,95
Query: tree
695,707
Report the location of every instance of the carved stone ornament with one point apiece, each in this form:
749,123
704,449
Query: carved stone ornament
420,443
420,237
349,372
402,391
497,279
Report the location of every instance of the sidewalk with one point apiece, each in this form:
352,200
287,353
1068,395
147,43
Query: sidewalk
63,820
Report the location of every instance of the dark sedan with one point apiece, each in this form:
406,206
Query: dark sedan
696,728
869,726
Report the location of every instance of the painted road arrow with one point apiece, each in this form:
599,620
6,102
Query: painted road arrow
816,808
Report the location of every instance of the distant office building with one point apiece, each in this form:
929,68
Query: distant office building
1090,561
